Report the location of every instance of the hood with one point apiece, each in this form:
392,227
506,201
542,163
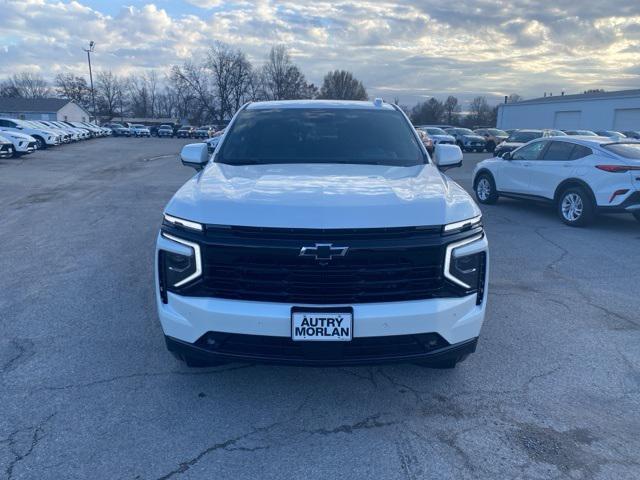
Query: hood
4,140
473,137
442,137
322,196
17,136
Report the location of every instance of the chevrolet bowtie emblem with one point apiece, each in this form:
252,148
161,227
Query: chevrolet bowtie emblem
323,251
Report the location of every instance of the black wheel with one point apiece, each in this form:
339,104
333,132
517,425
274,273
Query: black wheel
12,151
575,207
485,189
40,143
491,146
637,215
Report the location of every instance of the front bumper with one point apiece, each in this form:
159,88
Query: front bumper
253,348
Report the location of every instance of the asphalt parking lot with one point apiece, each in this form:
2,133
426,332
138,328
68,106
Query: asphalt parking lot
89,391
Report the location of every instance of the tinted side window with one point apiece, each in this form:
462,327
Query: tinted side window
529,152
580,151
5,123
559,151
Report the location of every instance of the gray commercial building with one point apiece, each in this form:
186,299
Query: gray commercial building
618,110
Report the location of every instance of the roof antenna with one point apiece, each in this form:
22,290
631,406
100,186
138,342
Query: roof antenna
378,102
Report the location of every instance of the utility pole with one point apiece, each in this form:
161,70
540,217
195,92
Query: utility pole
93,95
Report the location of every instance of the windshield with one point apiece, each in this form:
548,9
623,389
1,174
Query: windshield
321,135
498,133
626,150
464,131
435,131
523,137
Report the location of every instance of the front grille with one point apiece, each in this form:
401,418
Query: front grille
264,264
284,348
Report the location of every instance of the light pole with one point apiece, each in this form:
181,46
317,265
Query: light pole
93,96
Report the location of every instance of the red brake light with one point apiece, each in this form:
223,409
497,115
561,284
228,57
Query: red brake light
617,168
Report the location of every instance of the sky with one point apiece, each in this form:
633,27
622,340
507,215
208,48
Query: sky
412,49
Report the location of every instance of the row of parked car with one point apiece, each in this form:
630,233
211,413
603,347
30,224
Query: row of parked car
498,142
21,137
125,129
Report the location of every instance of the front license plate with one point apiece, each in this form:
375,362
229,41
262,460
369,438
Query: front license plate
326,325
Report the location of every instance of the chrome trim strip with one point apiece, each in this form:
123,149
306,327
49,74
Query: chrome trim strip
469,221
183,222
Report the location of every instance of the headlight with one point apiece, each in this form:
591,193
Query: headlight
177,269
465,264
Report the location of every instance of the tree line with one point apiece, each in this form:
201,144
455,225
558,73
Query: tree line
211,90
204,91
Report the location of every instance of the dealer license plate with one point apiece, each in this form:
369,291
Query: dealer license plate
322,325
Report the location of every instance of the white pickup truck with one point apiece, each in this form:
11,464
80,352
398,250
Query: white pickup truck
321,233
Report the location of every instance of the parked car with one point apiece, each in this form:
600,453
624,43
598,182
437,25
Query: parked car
69,134
426,141
326,238
65,136
139,130
186,131
82,134
44,137
635,134
212,142
6,147
22,143
437,135
118,130
517,139
492,137
584,133
580,176
610,134
165,131
204,131
466,139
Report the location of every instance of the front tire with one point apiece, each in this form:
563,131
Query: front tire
41,143
575,207
485,189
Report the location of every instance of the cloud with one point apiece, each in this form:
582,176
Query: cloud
409,48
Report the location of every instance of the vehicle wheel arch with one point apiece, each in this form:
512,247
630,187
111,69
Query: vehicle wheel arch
479,173
573,182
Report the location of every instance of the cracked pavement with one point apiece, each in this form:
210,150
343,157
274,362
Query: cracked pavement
89,391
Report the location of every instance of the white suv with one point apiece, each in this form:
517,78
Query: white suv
579,175
321,232
44,136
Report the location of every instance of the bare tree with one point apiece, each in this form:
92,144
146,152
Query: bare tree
282,79
74,88
26,85
108,93
342,85
479,111
192,79
150,80
221,60
451,107
430,111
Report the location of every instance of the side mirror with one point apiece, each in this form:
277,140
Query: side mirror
506,156
447,156
195,155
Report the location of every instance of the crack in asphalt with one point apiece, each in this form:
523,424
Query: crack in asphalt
563,254
139,375
187,464
366,424
36,436
24,349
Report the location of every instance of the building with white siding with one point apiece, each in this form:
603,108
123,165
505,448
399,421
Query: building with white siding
590,111
42,109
